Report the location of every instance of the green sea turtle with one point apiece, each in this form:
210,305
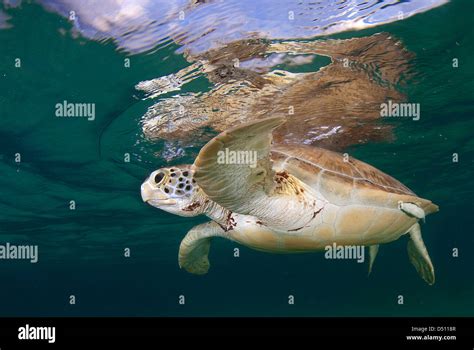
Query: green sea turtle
286,198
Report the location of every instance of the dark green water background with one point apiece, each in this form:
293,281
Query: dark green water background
81,252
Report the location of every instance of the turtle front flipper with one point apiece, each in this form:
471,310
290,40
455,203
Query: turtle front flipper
234,169
194,248
418,255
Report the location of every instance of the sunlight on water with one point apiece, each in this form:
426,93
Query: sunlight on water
198,26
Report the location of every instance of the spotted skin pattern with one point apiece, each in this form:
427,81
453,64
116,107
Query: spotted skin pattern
175,182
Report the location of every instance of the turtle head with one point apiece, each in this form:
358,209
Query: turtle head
173,190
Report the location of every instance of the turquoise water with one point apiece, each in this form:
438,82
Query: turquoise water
81,251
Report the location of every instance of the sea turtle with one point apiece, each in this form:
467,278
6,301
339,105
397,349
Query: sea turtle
286,198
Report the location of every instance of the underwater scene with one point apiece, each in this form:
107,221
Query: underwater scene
236,158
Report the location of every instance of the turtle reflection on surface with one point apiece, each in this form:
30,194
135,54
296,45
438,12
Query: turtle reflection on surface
334,107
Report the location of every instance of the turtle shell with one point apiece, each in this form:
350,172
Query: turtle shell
344,180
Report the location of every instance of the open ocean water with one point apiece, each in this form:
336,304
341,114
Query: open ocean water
47,57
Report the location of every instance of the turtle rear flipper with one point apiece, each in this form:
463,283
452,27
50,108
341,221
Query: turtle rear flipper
418,255
373,250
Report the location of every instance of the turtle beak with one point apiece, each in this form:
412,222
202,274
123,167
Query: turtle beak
154,196
147,192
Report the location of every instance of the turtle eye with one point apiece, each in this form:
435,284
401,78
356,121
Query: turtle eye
159,177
